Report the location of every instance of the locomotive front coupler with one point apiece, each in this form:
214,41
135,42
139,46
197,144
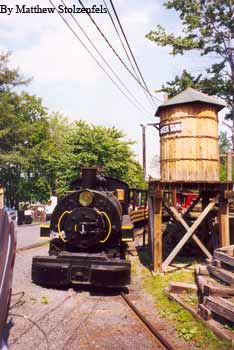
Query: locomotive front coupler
67,268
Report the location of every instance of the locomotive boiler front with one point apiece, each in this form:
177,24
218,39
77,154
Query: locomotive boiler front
88,219
87,244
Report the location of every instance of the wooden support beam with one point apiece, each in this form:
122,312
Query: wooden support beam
151,226
157,243
229,166
223,217
188,234
180,219
204,202
145,217
174,197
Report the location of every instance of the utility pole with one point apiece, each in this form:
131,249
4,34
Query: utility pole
143,149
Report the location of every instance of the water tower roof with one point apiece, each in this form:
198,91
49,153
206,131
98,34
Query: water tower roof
188,96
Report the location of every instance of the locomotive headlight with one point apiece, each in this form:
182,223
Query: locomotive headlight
85,198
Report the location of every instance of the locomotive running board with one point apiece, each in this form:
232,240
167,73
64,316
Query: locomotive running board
68,268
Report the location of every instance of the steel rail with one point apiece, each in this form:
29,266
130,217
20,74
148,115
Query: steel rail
159,337
32,246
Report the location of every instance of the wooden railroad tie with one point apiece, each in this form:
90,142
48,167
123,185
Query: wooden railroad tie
218,290
221,274
220,306
180,287
224,257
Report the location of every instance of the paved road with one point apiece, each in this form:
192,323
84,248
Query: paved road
27,234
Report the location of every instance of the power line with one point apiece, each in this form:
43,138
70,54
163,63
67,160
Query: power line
109,44
119,36
126,52
133,57
93,57
105,61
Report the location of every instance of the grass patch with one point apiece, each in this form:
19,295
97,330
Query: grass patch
186,326
44,300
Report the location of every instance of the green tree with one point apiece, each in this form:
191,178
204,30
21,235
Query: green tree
208,28
58,148
24,131
224,143
224,147
23,134
9,78
99,146
41,153
45,151
181,83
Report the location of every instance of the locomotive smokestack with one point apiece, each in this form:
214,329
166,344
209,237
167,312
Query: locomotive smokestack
89,177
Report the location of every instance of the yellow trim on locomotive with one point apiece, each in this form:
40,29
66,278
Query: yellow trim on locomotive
59,220
109,223
44,226
99,212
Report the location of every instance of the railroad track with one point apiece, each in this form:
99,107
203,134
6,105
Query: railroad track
162,342
31,246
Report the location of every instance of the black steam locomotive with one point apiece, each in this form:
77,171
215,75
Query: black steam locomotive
90,226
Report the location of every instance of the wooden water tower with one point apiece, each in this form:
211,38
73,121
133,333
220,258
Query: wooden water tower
189,164
189,137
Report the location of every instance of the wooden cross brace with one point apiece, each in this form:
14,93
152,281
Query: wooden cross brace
189,233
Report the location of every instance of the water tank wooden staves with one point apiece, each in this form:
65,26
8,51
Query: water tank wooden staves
189,137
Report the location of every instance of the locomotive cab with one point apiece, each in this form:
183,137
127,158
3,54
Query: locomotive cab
88,235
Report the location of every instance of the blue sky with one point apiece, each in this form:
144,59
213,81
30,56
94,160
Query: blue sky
69,81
